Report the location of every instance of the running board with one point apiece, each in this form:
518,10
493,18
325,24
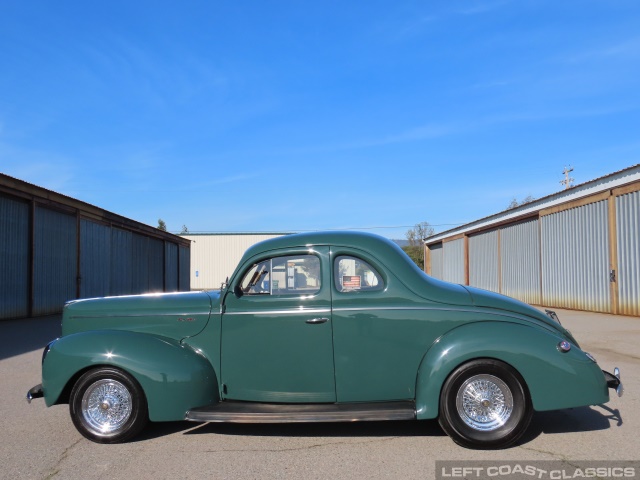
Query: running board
250,412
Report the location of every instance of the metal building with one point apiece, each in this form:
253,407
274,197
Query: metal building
54,248
214,256
577,249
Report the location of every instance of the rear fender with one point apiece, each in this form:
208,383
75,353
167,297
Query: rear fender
174,377
554,379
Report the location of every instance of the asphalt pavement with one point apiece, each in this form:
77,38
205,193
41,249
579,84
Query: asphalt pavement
37,442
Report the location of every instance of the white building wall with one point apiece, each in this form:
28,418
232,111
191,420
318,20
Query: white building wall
215,256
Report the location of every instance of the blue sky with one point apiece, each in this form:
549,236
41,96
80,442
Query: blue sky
287,116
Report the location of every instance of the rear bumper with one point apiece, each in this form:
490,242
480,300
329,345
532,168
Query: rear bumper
35,392
613,381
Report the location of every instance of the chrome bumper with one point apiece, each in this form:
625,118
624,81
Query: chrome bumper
35,392
613,381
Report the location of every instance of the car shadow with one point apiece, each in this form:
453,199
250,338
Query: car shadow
28,334
324,429
583,419
572,420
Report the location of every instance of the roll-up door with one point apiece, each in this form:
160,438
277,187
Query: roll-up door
483,261
520,261
453,261
628,235
575,258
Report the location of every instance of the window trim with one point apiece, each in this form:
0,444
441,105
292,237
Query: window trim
293,294
382,285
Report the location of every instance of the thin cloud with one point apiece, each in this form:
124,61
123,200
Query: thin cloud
46,169
481,7
622,50
230,179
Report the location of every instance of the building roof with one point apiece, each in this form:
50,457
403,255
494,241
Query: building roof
42,196
213,234
592,187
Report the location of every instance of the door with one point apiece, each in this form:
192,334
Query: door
277,341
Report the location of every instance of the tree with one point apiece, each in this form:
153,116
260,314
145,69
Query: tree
515,203
161,225
416,253
418,233
416,236
184,229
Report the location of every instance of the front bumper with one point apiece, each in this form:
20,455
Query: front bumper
35,392
613,381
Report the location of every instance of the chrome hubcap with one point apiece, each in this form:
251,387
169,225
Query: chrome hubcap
106,406
484,402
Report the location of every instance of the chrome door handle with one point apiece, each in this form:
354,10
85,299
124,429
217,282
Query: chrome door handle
315,321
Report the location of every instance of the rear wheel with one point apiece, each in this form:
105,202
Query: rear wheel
485,404
108,406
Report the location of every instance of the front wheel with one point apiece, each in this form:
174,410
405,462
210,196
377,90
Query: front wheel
108,406
485,404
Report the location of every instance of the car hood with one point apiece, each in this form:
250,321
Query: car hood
173,315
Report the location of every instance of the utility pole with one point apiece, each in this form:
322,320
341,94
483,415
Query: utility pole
567,179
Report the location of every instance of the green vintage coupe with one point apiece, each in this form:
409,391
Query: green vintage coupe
318,327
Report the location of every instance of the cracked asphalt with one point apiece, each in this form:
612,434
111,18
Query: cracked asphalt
41,443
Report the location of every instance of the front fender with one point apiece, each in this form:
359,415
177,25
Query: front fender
555,380
174,377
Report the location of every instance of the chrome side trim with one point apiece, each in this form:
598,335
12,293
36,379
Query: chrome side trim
441,309
280,312
136,315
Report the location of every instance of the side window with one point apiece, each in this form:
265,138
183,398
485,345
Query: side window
352,274
256,280
291,275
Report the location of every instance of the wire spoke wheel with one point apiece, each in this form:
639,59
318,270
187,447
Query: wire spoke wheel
484,402
107,405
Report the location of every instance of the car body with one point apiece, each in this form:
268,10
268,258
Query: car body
327,326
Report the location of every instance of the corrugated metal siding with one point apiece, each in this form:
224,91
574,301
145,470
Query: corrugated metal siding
14,256
95,259
170,267
436,261
215,257
453,261
628,233
185,269
483,261
520,261
156,265
55,260
140,264
121,268
575,258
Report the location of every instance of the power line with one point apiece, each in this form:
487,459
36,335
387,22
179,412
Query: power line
288,230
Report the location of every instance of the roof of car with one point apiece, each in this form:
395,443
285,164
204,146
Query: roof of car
361,240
